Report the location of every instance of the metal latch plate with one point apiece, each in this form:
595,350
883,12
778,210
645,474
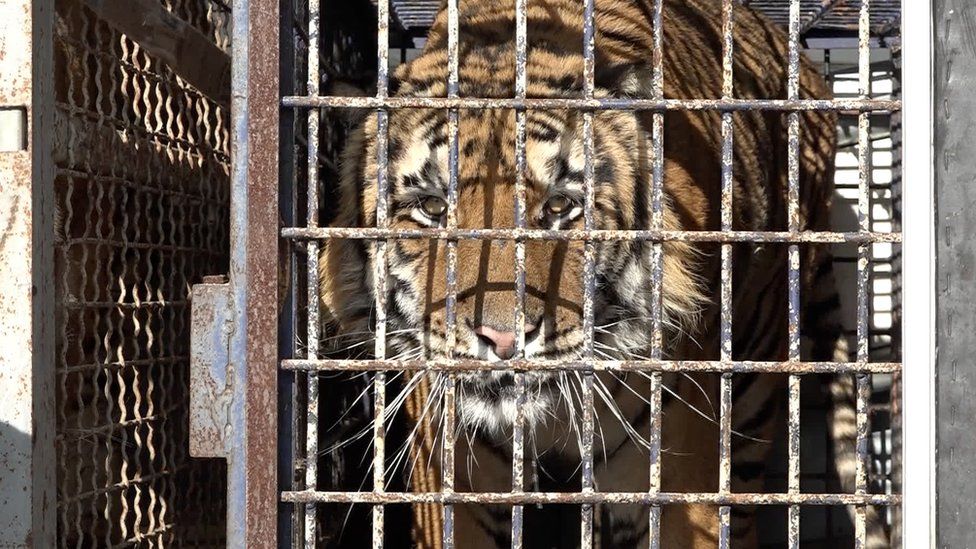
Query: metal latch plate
211,379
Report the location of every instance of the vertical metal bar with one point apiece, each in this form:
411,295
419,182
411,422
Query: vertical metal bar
382,266
861,466
450,395
589,273
793,267
863,271
518,430
251,480
28,504
725,329
312,281
657,269
725,469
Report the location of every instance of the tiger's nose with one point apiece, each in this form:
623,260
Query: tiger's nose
501,342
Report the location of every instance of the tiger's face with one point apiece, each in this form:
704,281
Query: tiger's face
418,177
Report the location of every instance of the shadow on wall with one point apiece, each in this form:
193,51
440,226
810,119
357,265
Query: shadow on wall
15,488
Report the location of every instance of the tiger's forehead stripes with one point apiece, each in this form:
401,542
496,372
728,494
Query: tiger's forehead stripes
554,149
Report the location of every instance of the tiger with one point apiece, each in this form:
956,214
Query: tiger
418,176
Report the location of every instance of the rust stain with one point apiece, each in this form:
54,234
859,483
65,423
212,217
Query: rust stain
599,235
526,365
596,104
621,498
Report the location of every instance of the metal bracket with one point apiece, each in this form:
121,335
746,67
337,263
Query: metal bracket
211,377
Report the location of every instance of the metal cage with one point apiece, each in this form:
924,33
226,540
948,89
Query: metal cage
869,132
132,166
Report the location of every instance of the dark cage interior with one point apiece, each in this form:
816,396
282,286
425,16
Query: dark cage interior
327,432
142,190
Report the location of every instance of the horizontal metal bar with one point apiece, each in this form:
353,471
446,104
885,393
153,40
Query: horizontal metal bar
139,479
120,364
633,498
439,364
370,233
595,104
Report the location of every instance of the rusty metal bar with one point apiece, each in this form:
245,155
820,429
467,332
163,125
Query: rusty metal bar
380,285
528,365
312,276
450,396
590,498
251,473
597,104
596,235
725,455
863,382
657,270
793,450
724,526
589,272
793,275
654,446
863,459
518,429
725,322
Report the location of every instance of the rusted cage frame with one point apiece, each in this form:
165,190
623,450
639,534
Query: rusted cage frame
251,416
28,418
724,498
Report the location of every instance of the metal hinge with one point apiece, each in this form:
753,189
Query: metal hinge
211,379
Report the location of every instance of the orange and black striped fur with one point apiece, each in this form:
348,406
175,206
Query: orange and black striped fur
418,176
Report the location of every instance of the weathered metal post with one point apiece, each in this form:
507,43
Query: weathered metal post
234,369
954,73
27,462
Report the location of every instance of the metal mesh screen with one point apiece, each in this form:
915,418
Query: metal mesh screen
142,214
865,241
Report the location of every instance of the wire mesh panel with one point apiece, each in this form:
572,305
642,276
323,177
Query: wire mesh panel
375,381
142,196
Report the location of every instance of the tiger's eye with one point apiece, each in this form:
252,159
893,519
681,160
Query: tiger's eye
434,206
558,205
